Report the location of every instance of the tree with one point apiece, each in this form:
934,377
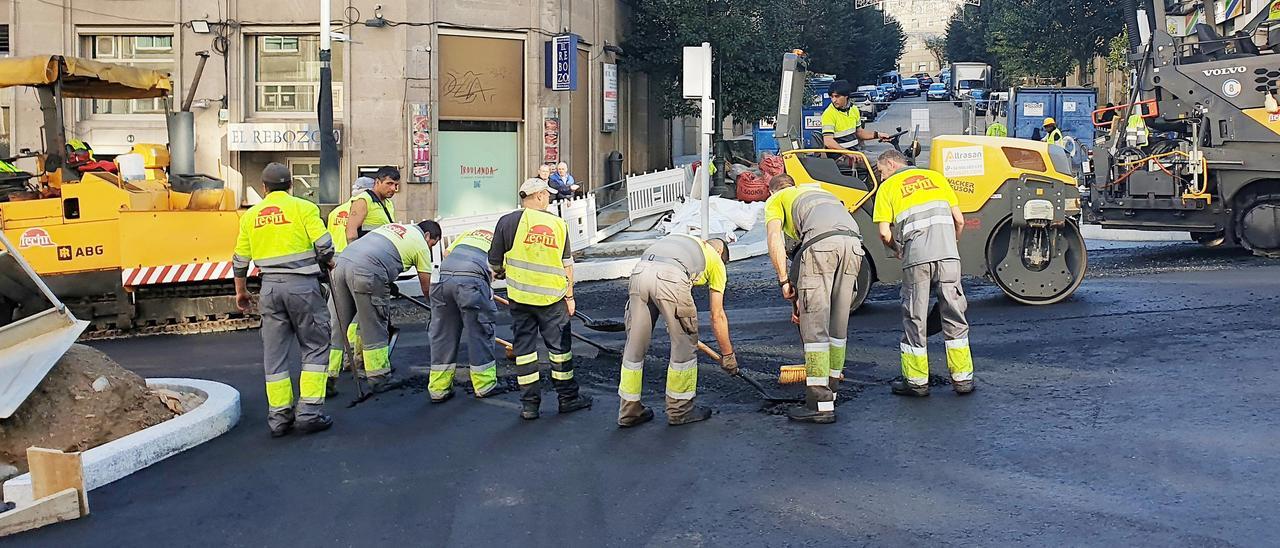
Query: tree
937,45
1034,38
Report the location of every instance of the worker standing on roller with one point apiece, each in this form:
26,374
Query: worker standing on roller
373,208
820,282
284,236
661,284
338,231
921,208
531,251
463,299
362,287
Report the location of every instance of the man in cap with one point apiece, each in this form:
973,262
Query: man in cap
1052,134
362,287
462,299
338,231
662,285
531,251
820,283
284,236
373,208
919,219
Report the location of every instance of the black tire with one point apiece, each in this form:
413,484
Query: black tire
1257,224
864,284
998,246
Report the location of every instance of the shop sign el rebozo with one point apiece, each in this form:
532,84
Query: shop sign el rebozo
277,136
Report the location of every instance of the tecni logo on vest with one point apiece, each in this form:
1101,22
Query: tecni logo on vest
1223,71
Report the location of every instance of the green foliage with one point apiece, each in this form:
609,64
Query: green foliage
937,45
1034,38
1118,52
748,38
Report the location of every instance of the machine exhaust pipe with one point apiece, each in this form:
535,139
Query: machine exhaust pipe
182,128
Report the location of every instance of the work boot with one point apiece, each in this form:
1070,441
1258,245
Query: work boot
902,387
281,431
529,411
802,413
383,383
319,424
331,387
697,414
575,404
645,416
443,398
962,387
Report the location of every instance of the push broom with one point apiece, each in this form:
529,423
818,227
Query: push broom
793,374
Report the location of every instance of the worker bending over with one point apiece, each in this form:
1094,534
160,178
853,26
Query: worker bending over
662,284
373,208
531,251
463,299
820,282
920,221
362,287
338,231
284,236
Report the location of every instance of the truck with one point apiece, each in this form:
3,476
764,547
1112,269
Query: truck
1194,148
966,77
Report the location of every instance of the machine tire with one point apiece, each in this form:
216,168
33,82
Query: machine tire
1260,214
997,248
865,279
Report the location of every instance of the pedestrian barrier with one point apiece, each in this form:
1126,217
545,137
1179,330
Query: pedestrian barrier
656,192
580,215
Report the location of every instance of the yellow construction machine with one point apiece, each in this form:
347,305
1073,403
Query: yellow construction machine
1019,197
136,250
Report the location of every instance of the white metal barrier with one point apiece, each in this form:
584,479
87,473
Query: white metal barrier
656,192
580,215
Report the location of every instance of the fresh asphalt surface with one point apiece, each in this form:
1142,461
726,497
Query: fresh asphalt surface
1139,412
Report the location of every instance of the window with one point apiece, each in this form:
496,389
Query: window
287,74
1021,158
153,52
4,39
306,178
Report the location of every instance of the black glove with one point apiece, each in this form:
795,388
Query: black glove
395,290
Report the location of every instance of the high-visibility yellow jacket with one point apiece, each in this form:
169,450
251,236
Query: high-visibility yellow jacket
282,234
379,212
535,264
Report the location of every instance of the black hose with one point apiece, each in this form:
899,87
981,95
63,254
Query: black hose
1130,9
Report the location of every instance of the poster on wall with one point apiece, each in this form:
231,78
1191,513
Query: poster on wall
550,135
476,173
420,143
610,98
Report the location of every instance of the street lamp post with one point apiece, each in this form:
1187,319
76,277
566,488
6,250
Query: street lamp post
324,110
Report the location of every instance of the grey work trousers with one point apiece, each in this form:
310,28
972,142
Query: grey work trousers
828,278
339,338
363,295
943,277
659,289
460,303
293,309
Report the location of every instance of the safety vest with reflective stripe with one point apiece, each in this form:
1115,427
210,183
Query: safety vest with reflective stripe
338,226
535,264
997,129
918,202
376,216
842,125
282,234
1054,137
78,146
6,167
478,238
1136,123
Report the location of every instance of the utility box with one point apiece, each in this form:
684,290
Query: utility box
1071,108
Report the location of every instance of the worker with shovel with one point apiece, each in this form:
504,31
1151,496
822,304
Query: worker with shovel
820,282
531,251
362,287
338,231
463,299
284,236
661,285
919,219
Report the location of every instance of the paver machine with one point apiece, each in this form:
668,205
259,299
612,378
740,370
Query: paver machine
143,253
1019,198
1197,148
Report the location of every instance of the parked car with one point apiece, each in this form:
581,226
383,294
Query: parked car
890,91
937,92
925,81
910,87
863,92
866,105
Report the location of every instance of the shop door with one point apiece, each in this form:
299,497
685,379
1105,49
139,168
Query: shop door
477,171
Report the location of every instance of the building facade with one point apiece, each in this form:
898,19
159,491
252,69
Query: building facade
920,19
456,93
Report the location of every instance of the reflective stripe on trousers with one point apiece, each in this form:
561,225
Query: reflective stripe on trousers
943,277
659,290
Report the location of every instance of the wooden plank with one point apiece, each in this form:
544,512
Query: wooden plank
53,471
61,506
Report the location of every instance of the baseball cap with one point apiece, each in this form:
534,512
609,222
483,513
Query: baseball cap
276,173
362,183
533,186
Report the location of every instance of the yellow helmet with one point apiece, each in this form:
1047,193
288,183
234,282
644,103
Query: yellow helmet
1048,121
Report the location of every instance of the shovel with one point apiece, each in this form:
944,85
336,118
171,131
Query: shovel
598,346
765,395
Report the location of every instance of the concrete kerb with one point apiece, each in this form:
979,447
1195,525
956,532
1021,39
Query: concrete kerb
116,459
1095,232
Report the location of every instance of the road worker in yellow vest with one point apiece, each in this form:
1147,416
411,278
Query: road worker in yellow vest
362,282
339,360
284,236
531,251
919,220
373,208
462,300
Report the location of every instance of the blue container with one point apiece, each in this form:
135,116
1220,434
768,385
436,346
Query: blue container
1071,108
765,142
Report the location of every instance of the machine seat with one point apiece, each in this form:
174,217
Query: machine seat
826,170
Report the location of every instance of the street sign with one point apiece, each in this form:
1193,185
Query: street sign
560,60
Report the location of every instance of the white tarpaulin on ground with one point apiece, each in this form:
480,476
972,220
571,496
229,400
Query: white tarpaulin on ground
726,217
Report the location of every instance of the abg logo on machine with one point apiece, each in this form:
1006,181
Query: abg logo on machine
1223,71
